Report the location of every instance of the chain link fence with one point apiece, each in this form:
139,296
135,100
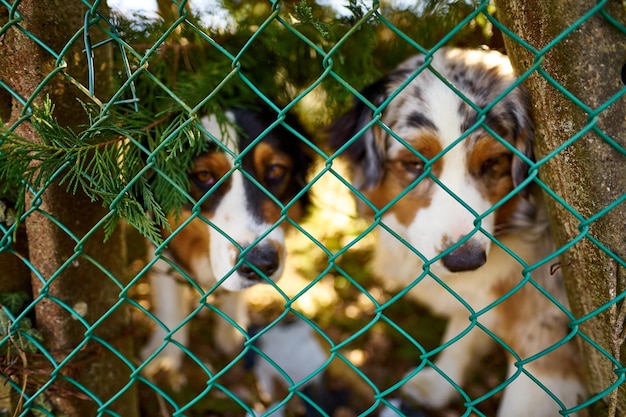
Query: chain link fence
348,342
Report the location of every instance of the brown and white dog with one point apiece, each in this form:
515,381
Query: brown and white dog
444,171
246,190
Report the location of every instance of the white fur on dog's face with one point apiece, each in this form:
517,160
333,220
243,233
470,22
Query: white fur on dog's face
234,220
433,151
238,238
451,171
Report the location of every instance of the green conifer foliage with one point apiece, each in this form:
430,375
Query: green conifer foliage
133,155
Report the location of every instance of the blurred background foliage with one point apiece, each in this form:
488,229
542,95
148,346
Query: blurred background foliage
201,52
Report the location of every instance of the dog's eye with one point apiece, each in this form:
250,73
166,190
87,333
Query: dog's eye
275,172
497,166
203,179
413,167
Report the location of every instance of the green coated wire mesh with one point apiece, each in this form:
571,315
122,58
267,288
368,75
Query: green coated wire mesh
328,338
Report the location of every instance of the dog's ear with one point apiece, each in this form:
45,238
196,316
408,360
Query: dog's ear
366,152
523,136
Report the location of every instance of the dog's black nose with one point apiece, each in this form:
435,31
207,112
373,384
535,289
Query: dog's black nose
263,258
467,257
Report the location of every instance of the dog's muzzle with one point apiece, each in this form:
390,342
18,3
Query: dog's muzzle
261,262
469,256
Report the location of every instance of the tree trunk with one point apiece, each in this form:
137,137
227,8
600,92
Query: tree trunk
589,174
69,277
14,274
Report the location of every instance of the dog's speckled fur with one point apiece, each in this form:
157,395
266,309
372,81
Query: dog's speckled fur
474,142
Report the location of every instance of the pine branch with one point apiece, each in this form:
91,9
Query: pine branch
304,13
107,162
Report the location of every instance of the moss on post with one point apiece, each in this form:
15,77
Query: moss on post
590,174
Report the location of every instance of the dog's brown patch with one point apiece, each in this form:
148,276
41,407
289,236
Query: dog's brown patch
401,171
190,242
490,163
273,167
528,305
274,171
209,168
270,211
